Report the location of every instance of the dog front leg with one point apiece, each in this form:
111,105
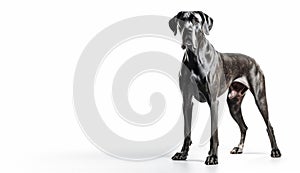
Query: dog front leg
212,159
187,112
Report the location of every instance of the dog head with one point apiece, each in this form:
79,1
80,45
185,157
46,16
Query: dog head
191,24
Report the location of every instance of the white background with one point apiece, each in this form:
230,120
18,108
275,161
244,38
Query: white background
42,41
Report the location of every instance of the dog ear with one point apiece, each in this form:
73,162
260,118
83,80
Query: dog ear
206,22
173,24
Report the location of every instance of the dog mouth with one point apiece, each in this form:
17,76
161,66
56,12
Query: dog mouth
187,42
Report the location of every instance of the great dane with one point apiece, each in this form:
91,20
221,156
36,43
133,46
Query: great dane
206,74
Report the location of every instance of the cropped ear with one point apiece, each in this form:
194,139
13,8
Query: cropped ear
206,22
173,24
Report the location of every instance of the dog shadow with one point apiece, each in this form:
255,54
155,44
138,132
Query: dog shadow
256,153
195,160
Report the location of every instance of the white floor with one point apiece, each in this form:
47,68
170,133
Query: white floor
90,161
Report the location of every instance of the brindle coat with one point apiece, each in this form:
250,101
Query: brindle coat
206,74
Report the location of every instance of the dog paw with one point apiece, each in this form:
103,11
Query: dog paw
275,153
236,150
211,160
180,156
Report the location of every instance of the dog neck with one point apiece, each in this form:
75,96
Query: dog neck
205,54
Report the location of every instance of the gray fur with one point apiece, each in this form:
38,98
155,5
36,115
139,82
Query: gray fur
206,74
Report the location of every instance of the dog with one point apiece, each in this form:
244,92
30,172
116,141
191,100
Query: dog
206,74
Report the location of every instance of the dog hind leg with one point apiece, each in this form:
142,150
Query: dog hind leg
257,87
234,100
